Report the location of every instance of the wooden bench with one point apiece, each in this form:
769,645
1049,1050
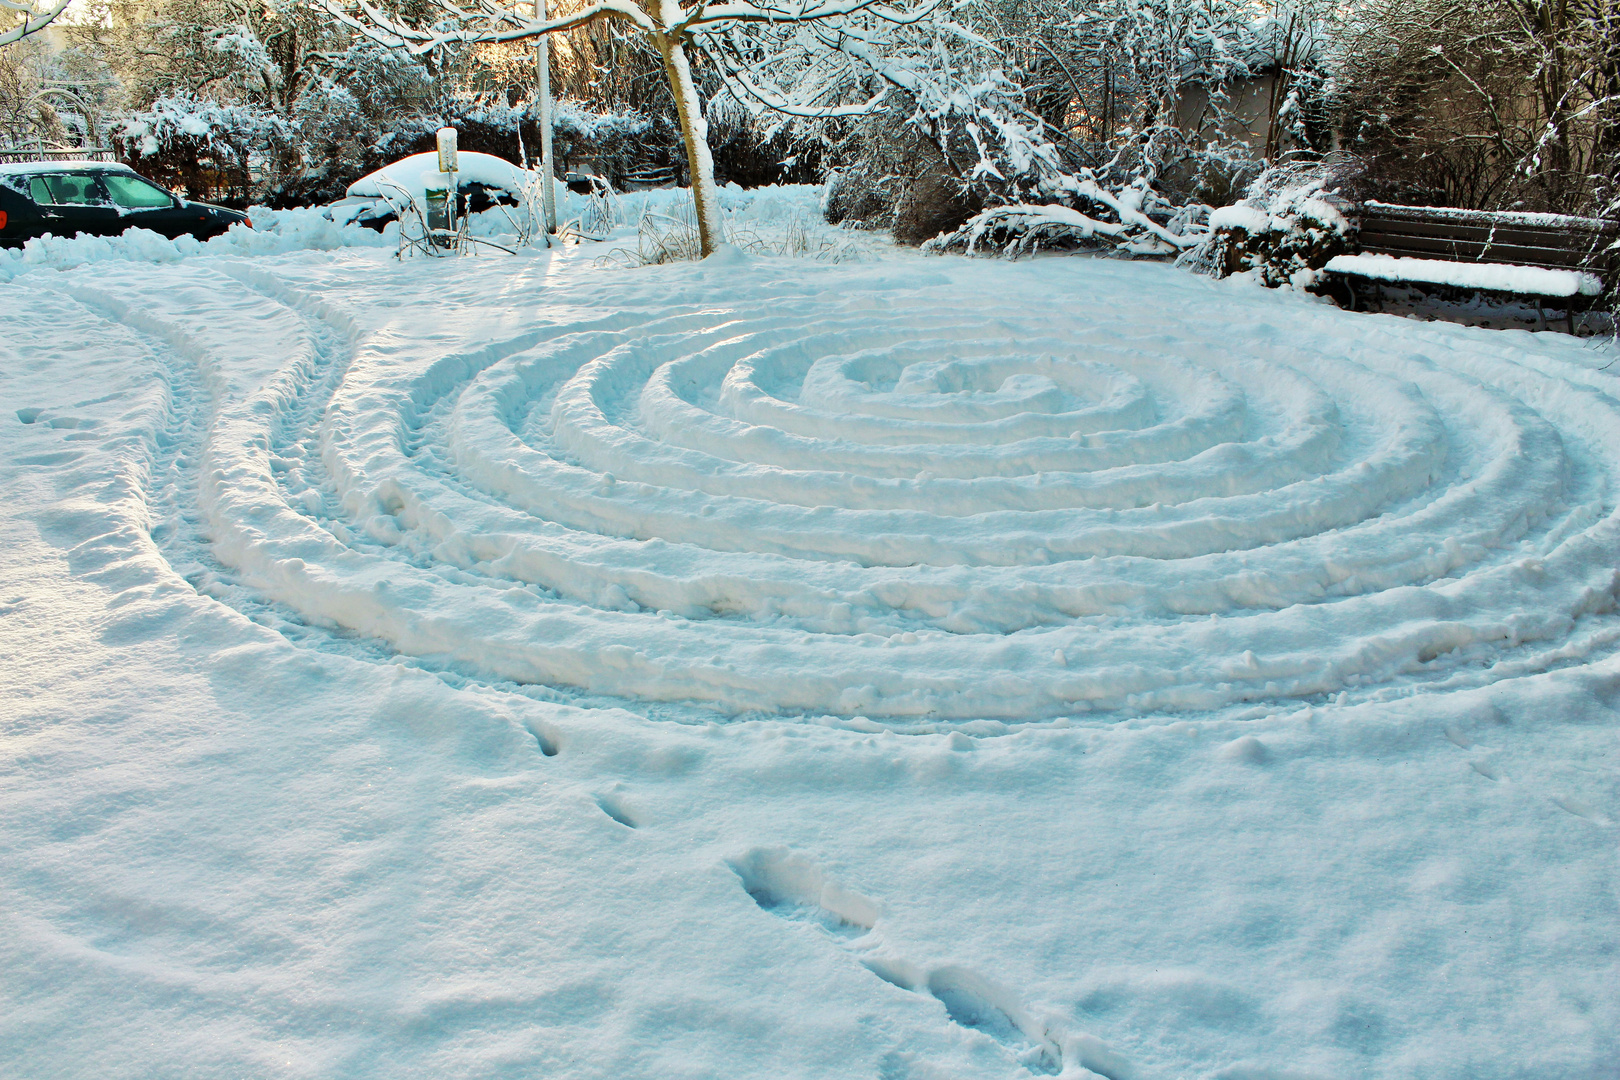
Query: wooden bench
645,176
1549,259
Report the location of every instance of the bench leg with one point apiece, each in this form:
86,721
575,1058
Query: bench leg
1343,292
1541,313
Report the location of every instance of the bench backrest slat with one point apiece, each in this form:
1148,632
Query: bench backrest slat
1577,239
1433,247
1489,218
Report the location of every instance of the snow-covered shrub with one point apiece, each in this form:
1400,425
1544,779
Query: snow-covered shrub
210,149
1012,153
1120,220
900,177
274,102
760,150
1285,231
340,113
961,164
1034,196
335,134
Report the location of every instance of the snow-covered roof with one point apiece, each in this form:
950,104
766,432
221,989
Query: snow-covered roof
33,168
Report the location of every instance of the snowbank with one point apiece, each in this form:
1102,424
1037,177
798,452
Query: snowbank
773,204
274,232
310,229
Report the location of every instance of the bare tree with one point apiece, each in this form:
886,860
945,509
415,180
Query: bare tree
26,114
1486,103
857,27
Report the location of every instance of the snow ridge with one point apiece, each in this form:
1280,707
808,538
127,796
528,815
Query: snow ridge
668,488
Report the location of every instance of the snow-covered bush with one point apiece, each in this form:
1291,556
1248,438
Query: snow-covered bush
212,150
1133,220
243,152
271,101
1085,122
758,150
900,178
341,113
1285,231
1034,196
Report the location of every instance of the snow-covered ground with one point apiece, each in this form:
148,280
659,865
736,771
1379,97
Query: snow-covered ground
906,669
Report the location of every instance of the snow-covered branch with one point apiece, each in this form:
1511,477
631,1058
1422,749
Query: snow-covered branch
485,24
31,17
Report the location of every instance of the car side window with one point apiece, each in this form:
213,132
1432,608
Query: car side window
133,193
67,189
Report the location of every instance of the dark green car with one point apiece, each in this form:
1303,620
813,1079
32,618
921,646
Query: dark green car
99,198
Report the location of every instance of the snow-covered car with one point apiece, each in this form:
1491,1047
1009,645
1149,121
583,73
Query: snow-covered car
482,181
101,198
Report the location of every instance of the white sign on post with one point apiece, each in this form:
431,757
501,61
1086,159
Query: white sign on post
443,205
447,150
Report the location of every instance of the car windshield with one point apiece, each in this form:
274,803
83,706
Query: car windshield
67,189
133,193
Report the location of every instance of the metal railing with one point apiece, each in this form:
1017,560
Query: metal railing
15,155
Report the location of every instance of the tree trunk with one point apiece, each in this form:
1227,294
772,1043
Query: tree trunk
695,133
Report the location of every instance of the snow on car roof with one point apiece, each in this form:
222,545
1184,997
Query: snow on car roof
414,174
31,168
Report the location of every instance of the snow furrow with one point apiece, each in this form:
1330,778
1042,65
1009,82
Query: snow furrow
902,515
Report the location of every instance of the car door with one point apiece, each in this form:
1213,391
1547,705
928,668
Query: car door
73,203
145,205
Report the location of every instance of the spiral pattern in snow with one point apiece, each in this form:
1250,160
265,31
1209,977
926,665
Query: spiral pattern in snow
986,497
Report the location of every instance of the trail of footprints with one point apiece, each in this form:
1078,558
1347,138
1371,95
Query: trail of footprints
794,888
1487,762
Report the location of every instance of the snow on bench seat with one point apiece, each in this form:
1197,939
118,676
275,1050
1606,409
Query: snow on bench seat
1528,280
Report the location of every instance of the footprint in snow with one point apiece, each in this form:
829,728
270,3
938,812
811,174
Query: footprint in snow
793,887
790,886
60,423
615,808
1482,764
